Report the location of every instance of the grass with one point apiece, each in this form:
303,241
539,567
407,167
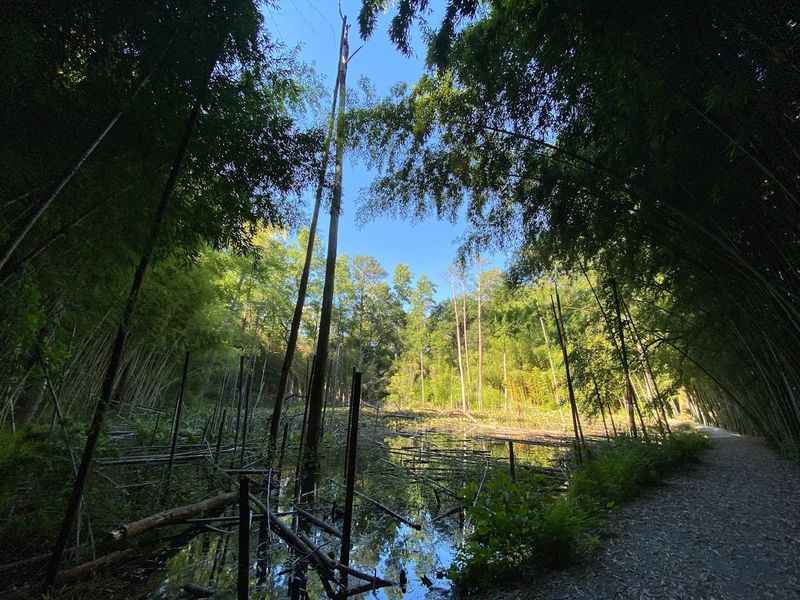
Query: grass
533,525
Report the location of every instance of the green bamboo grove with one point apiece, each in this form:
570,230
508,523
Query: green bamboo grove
621,138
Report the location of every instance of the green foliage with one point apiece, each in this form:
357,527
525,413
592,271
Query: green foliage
530,525
620,471
658,142
34,465
517,525
21,452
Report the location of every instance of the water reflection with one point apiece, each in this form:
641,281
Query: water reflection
420,476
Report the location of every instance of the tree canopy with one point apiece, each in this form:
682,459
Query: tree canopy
658,142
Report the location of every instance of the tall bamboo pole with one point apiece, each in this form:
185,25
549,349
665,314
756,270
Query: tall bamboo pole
297,316
243,571
573,405
458,345
176,421
629,396
650,379
316,392
480,342
465,339
350,474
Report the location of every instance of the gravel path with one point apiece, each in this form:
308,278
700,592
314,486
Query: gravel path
728,529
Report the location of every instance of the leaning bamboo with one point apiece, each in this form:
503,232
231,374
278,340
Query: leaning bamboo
176,422
119,341
316,389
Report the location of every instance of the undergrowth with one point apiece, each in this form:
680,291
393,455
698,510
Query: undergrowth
533,525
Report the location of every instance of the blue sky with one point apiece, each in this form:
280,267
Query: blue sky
429,246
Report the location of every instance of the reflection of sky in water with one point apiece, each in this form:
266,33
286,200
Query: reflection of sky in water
390,472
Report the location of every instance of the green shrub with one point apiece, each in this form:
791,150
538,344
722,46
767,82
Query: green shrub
620,471
530,524
515,524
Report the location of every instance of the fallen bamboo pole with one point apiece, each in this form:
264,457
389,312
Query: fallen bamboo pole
385,508
173,516
305,547
319,523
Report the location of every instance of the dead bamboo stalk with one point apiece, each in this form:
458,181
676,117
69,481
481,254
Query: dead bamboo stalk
303,284
243,579
316,389
176,421
173,516
350,473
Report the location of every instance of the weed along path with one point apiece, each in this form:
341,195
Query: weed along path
728,528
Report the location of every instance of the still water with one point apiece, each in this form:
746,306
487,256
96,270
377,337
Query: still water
423,477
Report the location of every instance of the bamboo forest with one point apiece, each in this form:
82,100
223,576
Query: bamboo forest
399,299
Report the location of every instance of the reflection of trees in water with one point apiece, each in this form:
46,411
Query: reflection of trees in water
396,470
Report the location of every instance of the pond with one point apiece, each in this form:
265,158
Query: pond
419,477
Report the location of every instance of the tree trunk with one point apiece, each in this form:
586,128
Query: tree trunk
460,362
297,316
480,344
316,392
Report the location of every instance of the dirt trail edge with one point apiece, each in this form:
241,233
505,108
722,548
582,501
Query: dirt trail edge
727,529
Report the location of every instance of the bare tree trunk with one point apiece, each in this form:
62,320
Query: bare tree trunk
458,344
297,316
316,392
505,380
119,343
422,377
480,343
